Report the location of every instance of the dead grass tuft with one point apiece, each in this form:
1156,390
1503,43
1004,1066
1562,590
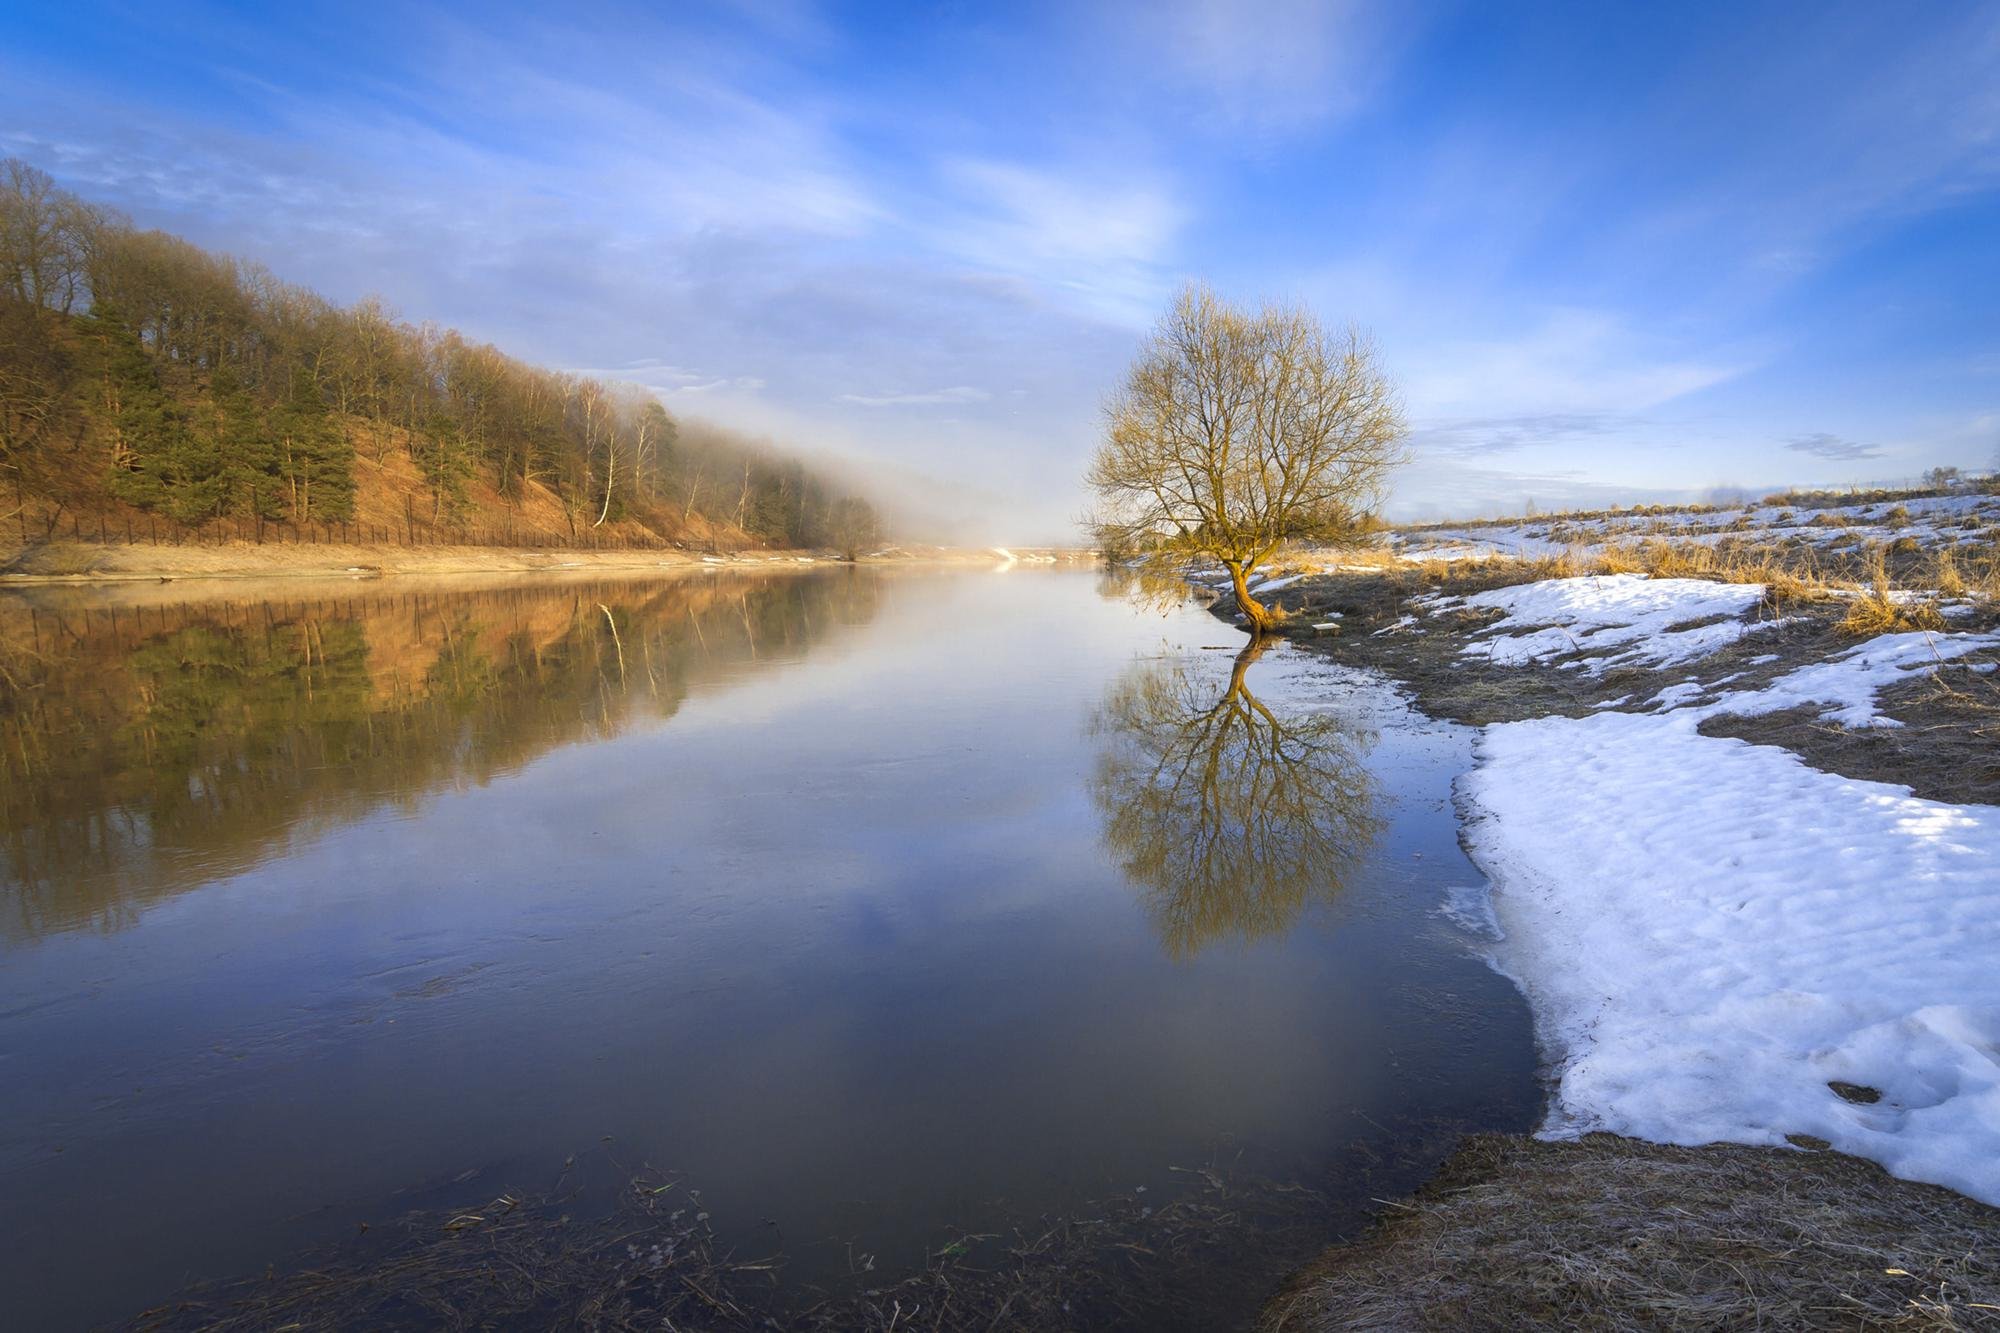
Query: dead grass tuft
1945,575
1605,1233
1876,611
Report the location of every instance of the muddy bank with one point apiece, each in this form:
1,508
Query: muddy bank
1947,749
1611,1233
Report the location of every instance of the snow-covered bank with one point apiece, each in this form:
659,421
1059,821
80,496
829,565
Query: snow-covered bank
1712,933
1930,521
1657,621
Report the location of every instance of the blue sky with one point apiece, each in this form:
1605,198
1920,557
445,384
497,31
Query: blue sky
1611,251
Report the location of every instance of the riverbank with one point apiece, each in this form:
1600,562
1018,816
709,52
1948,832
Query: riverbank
1737,805
1612,1233
87,562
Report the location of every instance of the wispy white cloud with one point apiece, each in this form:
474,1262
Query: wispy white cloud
1569,364
1100,236
1832,447
1280,65
1473,437
960,393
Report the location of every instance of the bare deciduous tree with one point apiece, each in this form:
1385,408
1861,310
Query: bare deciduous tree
853,526
1236,431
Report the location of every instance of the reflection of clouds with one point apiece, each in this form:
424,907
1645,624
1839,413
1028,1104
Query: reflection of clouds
1229,817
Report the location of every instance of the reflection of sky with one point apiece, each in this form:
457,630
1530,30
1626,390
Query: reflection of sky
1605,246
840,940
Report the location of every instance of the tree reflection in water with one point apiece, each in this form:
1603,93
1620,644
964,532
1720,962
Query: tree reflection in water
148,749
1230,817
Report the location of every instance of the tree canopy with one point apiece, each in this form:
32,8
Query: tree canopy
1236,431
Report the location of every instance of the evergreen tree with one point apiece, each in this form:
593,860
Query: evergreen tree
315,456
156,461
243,442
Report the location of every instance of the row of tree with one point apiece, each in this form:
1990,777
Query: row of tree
211,387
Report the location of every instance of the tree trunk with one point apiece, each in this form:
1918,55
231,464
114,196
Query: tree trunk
1261,620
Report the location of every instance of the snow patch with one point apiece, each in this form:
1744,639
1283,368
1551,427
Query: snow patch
1709,932
1844,685
1629,612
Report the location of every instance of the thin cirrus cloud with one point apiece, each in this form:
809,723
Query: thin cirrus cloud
1567,366
1823,445
1094,237
1479,437
957,394
1270,69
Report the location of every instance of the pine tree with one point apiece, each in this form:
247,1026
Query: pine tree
243,442
315,457
156,461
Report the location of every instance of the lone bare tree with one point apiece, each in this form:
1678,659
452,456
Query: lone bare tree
1236,431
853,526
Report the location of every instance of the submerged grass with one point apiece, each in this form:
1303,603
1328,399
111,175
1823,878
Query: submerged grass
1605,1233
1201,1257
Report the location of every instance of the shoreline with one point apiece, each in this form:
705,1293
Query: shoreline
1797,1225
85,564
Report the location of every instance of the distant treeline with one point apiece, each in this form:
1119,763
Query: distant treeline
198,386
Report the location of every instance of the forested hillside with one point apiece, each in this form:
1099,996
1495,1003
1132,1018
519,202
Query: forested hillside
145,381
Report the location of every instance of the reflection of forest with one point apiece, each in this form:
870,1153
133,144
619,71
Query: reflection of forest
145,750
1230,816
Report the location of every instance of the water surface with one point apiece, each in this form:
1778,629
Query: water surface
879,902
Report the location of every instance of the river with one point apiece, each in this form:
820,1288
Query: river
880,902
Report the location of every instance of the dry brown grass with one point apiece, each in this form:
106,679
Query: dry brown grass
1945,575
1612,1234
1794,572
1790,575
1968,570
60,559
1878,611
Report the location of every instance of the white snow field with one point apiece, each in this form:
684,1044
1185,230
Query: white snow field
1930,520
1710,932
1650,620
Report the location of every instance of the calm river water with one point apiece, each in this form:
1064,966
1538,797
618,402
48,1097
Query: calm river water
879,902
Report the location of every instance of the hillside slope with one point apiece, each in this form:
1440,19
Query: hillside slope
148,386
